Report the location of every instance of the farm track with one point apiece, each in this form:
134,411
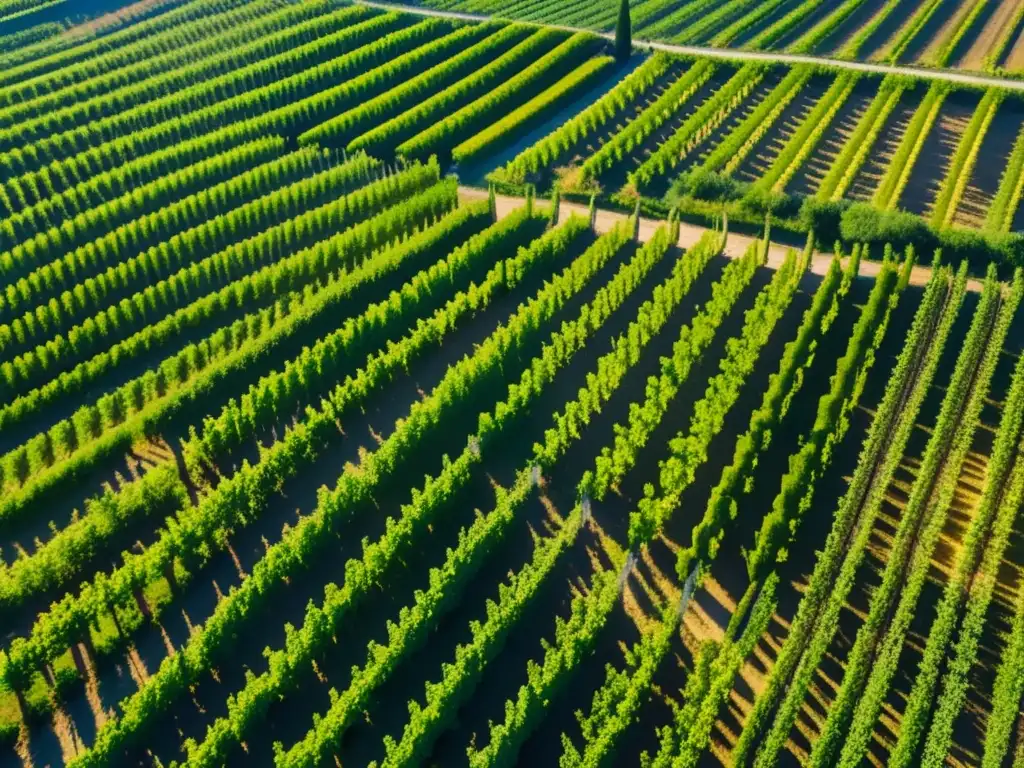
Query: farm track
945,75
691,233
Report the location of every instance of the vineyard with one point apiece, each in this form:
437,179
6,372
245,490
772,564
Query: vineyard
312,453
863,157
976,35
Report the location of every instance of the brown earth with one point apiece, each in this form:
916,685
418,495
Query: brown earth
1015,60
988,39
946,31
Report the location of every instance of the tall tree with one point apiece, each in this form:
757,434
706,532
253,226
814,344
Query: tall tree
623,33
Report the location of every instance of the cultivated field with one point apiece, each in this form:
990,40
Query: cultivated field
311,456
977,35
800,142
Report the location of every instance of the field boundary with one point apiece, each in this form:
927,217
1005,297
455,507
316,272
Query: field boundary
729,54
689,234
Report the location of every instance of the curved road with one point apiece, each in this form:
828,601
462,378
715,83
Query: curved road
774,57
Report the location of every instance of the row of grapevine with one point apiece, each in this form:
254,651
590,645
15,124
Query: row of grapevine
813,627
138,97
909,29
855,43
689,449
59,218
809,41
237,26
168,245
417,622
778,398
745,22
457,680
973,581
694,340
831,422
303,377
183,263
891,187
647,122
677,18
614,103
68,189
117,49
806,137
455,127
453,394
742,140
1011,189
962,164
294,275
199,383
375,112
616,702
1009,683
159,494
250,703
532,111
855,150
148,126
880,640
42,267
941,56
698,28
386,137
122,307
783,25
273,108
293,98
251,486
543,681
683,742
573,640
26,41
711,114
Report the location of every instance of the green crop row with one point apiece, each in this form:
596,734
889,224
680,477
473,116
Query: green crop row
533,111
689,449
929,503
648,121
783,387
973,581
879,641
614,103
812,628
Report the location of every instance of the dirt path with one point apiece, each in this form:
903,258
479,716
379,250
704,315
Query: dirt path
990,35
774,57
690,233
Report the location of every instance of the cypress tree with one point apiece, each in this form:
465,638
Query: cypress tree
623,33
556,204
